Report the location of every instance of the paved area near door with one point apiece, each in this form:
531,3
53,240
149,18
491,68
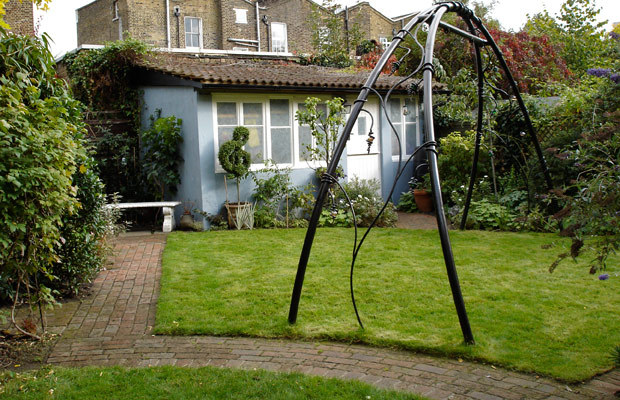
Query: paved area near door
113,326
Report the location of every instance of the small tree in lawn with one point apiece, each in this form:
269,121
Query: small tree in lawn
236,162
325,121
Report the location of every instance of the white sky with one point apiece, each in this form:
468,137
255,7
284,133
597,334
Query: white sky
59,22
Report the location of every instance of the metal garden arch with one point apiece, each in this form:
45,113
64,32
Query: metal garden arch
480,37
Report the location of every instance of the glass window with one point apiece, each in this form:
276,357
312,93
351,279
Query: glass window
404,117
241,16
281,132
253,120
279,42
193,32
305,136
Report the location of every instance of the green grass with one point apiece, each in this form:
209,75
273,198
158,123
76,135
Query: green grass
181,383
563,324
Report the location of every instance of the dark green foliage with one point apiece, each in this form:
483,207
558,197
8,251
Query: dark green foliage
279,204
406,203
83,234
162,156
118,164
329,39
367,203
102,78
456,154
41,139
615,356
232,157
50,196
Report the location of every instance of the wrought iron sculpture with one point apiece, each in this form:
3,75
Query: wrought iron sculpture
480,37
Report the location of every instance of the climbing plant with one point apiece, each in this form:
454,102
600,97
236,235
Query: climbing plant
162,154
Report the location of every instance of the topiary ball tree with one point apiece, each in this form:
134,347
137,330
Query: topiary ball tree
236,161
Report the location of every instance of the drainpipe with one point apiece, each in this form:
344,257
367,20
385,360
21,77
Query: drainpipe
257,26
346,27
168,24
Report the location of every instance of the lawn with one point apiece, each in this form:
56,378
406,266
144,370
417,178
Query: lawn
563,324
181,383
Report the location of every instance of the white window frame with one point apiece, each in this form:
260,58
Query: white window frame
385,43
241,15
191,33
115,10
239,99
415,112
273,42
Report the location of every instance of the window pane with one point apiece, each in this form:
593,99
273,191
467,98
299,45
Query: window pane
188,25
395,111
252,113
281,145
278,37
280,113
411,108
226,114
305,140
224,134
254,146
410,139
394,141
361,126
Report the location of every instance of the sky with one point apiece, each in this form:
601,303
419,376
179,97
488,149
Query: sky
59,22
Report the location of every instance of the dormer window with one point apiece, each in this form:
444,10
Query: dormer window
241,15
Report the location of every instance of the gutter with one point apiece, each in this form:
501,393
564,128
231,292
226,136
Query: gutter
168,24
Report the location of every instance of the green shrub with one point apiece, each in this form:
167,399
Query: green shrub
456,153
51,198
367,203
162,157
279,204
406,203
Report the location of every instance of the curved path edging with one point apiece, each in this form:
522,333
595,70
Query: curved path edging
113,326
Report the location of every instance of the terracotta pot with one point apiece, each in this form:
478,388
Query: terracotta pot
423,200
187,221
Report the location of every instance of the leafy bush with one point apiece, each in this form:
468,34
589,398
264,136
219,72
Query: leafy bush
456,153
118,165
406,203
49,189
162,157
83,248
275,195
486,215
367,203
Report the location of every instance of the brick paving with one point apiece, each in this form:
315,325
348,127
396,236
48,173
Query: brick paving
113,326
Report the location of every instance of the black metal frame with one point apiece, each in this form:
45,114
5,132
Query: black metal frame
431,16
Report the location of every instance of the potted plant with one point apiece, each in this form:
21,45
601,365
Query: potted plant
422,193
236,162
187,219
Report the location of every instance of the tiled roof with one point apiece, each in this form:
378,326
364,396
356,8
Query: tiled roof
227,72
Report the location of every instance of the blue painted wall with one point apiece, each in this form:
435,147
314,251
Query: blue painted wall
201,184
182,103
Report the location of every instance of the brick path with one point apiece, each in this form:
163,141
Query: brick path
113,327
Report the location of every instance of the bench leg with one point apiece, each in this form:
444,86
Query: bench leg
168,219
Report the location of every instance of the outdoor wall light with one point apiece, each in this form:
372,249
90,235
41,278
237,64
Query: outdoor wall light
405,110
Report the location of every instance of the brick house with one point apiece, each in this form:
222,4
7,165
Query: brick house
20,16
281,26
269,26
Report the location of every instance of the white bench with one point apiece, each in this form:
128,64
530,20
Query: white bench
167,207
